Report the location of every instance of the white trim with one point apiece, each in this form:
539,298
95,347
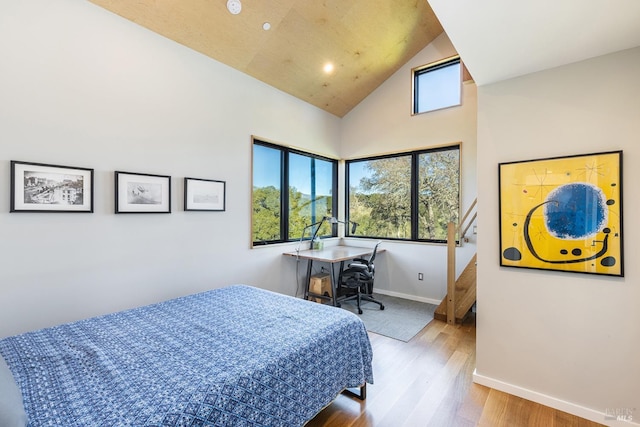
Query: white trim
407,296
552,402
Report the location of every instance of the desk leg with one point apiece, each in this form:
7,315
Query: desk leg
336,284
340,271
334,288
306,285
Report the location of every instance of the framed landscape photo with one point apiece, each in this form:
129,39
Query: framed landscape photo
142,193
204,194
563,213
38,187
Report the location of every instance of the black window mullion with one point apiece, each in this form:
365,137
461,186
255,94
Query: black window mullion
414,195
284,202
334,197
347,214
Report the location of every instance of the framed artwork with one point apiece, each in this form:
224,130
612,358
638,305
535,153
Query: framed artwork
38,187
563,213
142,193
204,195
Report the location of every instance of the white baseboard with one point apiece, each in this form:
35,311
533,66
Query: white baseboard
406,296
561,405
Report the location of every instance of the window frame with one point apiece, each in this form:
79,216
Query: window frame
414,192
285,152
425,69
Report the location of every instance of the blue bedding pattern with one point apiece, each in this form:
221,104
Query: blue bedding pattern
237,356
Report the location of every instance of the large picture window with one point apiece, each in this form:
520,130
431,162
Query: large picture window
310,182
407,196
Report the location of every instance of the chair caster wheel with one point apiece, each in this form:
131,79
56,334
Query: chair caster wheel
382,307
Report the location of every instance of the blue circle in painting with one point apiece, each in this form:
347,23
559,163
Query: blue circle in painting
575,211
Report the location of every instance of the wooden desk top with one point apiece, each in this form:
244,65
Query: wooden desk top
333,253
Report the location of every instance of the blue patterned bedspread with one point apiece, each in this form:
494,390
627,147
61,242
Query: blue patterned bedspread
236,356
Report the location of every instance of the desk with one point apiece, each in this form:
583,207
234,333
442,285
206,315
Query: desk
331,255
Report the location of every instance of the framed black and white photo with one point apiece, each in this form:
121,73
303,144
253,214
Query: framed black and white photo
38,187
204,195
142,193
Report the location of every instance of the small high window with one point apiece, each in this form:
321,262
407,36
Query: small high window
437,85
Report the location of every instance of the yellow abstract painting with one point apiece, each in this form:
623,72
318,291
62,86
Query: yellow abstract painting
563,213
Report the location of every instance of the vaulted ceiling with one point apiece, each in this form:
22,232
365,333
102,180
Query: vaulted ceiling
365,40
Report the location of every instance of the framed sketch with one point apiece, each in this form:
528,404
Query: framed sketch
38,187
204,195
142,193
563,213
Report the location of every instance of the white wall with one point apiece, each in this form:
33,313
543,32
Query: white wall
567,340
80,86
382,123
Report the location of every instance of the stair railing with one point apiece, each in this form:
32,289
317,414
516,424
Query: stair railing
452,231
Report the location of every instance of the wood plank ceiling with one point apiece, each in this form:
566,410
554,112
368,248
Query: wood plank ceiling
366,40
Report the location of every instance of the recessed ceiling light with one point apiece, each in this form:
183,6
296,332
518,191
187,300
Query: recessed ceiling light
234,6
328,67
266,26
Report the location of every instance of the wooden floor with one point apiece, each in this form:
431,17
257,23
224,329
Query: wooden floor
428,382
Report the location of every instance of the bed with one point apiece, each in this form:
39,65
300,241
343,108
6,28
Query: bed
235,356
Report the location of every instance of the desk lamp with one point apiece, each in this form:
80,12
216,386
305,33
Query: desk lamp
332,220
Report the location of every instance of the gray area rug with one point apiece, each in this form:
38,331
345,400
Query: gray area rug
401,318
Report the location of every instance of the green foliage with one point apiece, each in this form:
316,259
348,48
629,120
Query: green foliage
386,194
438,193
266,214
301,213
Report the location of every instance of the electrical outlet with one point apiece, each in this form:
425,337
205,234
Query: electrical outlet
420,276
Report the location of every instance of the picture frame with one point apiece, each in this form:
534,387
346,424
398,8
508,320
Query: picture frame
563,214
204,195
40,187
142,193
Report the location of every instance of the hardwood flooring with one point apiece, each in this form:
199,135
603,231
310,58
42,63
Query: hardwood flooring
428,382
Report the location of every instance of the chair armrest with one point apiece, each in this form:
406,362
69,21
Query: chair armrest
358,266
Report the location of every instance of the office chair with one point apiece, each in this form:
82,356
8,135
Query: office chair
357,279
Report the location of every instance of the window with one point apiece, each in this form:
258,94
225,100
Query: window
407,196
437,85
310,182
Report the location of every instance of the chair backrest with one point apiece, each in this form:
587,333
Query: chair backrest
373,254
